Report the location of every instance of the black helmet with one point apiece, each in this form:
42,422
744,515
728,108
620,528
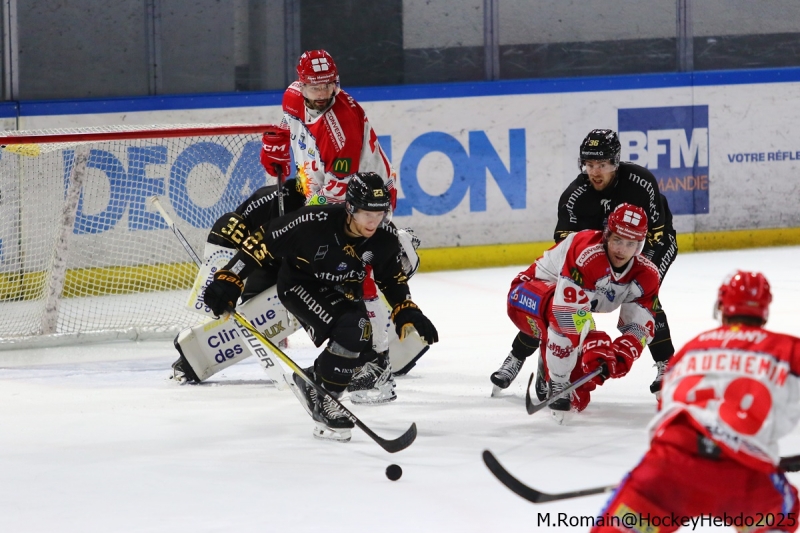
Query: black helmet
367,191
600,145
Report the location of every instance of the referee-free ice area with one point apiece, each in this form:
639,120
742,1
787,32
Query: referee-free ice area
98,439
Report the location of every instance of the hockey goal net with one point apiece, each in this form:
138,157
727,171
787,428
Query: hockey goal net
82,254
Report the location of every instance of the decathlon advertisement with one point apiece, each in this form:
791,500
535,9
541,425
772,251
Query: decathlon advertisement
485,163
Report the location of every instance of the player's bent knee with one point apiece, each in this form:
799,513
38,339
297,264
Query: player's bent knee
352,331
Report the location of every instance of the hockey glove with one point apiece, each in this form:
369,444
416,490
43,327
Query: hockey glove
406,315
222,294
627,348
275,151
597,352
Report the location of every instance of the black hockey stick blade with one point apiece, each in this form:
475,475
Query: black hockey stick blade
532,495
790,463
392,446
534,407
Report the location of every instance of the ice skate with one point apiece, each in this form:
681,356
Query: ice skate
373,383
655,386
331,423
540,385
560,408
183,373
507,372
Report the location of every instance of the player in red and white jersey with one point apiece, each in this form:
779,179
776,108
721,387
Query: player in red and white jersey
728,396
553,300
331,140
330,136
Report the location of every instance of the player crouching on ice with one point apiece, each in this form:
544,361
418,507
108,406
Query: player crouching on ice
553,300
325,253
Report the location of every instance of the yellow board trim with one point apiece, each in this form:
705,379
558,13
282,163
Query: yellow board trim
178,276
495,255
100,281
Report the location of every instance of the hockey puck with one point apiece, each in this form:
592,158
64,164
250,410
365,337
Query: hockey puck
394,472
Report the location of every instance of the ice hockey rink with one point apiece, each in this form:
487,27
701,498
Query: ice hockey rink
98,439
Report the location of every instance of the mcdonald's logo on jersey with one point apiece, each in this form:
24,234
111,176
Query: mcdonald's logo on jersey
342,165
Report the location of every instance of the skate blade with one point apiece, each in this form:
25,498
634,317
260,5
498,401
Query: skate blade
496,391
323,432
181,380
366,399
561,417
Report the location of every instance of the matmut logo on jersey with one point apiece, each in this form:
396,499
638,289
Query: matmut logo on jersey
672,142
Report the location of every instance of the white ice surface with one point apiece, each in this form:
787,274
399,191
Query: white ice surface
97,439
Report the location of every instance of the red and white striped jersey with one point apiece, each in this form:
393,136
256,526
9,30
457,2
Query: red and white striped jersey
330,146
739,386
585,283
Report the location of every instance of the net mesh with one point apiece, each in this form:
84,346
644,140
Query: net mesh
81,250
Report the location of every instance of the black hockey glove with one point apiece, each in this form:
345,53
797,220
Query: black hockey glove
222,294
406,315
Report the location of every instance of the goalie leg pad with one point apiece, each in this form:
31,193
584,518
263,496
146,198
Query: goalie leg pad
213,346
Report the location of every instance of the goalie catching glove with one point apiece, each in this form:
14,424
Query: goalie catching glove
617,356
406,315
275,151
222,294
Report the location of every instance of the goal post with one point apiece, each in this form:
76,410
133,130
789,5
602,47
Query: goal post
83,256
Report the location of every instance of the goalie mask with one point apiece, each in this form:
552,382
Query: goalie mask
744,294
629,222
600,145
367,192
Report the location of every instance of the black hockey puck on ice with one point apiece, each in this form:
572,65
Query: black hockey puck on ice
394,472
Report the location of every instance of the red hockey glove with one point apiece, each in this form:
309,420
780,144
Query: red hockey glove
627,348
406,314
222,294
597,351
275,152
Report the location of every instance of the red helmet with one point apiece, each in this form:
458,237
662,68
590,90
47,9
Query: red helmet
629,222
745,294
317,66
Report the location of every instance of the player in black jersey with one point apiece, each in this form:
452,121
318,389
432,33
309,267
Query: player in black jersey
324,252
604,184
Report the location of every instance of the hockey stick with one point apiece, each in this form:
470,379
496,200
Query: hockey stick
272,369
279,172
532,495
789,464
395,445
532,407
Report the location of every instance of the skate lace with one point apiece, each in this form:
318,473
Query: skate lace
510,367
557,388
661,368
331,409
